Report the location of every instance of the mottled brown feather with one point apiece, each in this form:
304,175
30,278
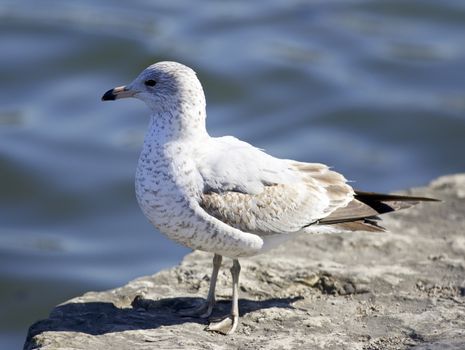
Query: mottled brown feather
282,208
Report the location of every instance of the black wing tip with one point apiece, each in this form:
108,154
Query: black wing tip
427,199
109,96
393,197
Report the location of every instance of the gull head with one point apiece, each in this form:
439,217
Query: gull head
165,87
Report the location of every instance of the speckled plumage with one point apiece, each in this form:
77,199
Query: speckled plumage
220,194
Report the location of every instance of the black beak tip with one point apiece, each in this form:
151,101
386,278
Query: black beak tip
109,96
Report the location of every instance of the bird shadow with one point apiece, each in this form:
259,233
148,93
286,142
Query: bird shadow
96,318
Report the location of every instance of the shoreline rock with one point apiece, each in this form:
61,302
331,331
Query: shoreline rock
395,290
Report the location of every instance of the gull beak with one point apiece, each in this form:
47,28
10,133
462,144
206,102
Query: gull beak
118,92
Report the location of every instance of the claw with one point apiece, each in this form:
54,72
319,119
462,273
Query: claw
226,326
205,309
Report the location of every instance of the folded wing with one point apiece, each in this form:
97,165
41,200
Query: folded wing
254,192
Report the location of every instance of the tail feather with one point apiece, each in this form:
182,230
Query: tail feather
362,212
368,224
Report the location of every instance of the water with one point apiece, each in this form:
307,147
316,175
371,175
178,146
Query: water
374,88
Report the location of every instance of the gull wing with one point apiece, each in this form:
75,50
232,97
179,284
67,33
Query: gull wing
254,192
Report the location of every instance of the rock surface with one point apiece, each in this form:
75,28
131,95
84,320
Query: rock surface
401,289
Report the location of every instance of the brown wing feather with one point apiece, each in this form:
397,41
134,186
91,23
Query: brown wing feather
361,225
367,205
354,211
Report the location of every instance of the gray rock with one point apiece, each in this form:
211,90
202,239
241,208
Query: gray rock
394,290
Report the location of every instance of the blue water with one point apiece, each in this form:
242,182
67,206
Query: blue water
374,88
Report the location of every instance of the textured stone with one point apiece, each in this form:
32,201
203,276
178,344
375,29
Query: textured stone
395,290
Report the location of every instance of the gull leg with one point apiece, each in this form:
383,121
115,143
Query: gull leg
229,324
205,309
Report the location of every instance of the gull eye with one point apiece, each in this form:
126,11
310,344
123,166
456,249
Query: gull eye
150,82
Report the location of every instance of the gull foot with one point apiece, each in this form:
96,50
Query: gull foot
203,310
226,326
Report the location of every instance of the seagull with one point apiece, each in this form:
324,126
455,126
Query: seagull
225,196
